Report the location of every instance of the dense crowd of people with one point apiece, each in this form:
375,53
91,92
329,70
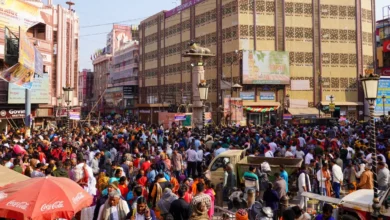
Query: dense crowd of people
135,171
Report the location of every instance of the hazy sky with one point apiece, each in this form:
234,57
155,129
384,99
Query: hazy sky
93,12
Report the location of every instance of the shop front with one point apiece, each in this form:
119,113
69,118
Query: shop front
13,118
263,112
349,110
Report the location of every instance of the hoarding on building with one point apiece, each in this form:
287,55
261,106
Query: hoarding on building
383,89
265,67
40,91
187,4
17,13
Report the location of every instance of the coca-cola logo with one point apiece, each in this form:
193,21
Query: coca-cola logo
55,205
388,47
19,205
3,195
78,198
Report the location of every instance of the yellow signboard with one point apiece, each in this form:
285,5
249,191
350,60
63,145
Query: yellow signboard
332,106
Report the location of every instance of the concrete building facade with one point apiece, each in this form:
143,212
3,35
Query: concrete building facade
116,71
329,44
57,39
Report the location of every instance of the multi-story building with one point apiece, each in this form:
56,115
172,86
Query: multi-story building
101,67
124,77
56,37
118,65
82,88
329,43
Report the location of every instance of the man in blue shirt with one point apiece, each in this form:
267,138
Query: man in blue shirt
284,175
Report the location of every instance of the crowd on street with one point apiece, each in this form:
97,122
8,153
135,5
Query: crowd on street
138,171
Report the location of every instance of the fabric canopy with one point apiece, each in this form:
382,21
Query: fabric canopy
260,109
303,111
8,176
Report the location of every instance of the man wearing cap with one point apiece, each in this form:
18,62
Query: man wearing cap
114,207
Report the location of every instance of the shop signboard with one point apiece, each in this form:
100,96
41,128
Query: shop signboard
247,95
74,115
267,96
386,46
266,67
332,107
385,71
12,113
188,121
130,90
180,117
383,89
40,93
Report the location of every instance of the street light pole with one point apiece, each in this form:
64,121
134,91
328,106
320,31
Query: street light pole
331,110
68,93
203,95
370,87
384,102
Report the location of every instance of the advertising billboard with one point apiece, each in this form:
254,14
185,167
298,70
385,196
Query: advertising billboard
383,89
17,13
39,91
265,67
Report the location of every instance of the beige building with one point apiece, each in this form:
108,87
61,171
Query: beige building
329,44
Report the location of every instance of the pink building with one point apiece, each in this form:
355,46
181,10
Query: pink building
57,38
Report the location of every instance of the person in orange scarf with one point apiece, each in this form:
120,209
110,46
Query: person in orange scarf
323,177
196,181
242,214
174,182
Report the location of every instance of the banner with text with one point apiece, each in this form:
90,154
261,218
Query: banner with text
39,92
17,13
383,89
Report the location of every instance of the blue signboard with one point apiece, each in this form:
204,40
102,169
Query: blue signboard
267,96
247,95
383,89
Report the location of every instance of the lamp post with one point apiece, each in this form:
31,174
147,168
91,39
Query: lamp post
237,88
286,105
331,109
384,102
370,87
68,95
203,95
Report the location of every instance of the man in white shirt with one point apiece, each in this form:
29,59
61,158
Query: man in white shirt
337,176
269,152
302,141
199,160
300,154
273,146
304,185
309,156
219,149
288,153
192,157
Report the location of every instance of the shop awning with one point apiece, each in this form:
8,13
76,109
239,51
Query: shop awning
260,109
343,103
303,111
261,104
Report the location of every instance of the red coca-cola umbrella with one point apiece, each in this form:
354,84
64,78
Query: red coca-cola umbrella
43,198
